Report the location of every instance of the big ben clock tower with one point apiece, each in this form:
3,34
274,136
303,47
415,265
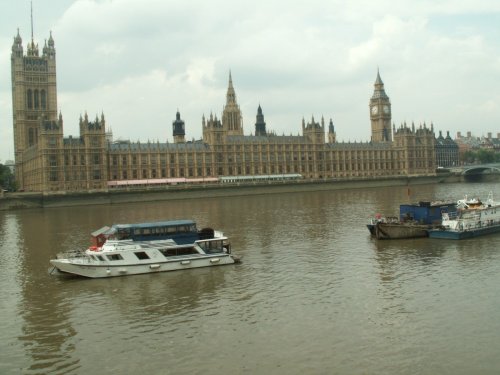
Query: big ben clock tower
380,113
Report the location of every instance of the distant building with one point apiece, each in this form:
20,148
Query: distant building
474,143
47,161
446,151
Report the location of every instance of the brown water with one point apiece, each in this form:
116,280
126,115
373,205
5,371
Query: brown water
314,294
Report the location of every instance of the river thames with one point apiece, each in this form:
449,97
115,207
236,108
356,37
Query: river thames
315,294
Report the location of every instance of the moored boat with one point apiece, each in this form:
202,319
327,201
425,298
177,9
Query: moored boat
386,231
147,248
415,220
473,218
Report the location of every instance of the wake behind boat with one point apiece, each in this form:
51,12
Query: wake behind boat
129,249
473,218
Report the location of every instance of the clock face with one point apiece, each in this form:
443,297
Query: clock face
374,110
386,109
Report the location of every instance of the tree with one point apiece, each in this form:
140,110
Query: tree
482,156
485,156
7,180
469,157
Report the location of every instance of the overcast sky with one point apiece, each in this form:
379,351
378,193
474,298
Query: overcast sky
140,61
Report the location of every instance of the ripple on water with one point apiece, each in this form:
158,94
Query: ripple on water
314,294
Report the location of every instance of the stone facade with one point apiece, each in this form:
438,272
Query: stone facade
46,161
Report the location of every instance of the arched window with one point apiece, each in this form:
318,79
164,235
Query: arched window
35,97
43,99
29,97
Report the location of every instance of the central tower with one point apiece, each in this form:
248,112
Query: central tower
231,116
380,113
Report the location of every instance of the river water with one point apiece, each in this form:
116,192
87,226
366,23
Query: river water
314,294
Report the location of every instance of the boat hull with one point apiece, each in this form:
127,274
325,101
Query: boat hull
390,231
87,269
460,235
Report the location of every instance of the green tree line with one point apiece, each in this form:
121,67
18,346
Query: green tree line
481,156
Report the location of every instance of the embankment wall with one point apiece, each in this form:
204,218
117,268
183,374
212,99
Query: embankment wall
13,201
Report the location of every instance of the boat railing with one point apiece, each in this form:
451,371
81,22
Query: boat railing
466,225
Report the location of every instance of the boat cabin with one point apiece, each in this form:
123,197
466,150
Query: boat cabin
181,231
425,212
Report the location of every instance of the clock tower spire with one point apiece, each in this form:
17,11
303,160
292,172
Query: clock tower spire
380,113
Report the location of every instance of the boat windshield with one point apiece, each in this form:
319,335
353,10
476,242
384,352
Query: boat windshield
212,246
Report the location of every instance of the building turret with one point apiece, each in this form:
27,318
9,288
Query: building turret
92,129
314,130
48,49
213,130
17,46
260,124
332,136
179,130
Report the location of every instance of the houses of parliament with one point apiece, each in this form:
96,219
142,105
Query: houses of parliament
47,161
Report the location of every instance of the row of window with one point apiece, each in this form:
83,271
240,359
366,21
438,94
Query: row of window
156,230
142,255
248,170
181,158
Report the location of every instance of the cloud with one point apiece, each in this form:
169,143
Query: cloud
139,62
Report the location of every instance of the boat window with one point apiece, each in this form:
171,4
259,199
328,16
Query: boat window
114,257
178,251
169,252
123,234
186,251
100,257
141,255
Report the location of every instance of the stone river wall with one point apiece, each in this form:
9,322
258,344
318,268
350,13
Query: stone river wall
13,201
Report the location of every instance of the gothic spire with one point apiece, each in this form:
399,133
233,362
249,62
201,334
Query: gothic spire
379,92
231,95
32,48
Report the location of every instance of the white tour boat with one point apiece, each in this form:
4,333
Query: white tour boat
114,256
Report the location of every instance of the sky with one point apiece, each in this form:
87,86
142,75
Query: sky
138,62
